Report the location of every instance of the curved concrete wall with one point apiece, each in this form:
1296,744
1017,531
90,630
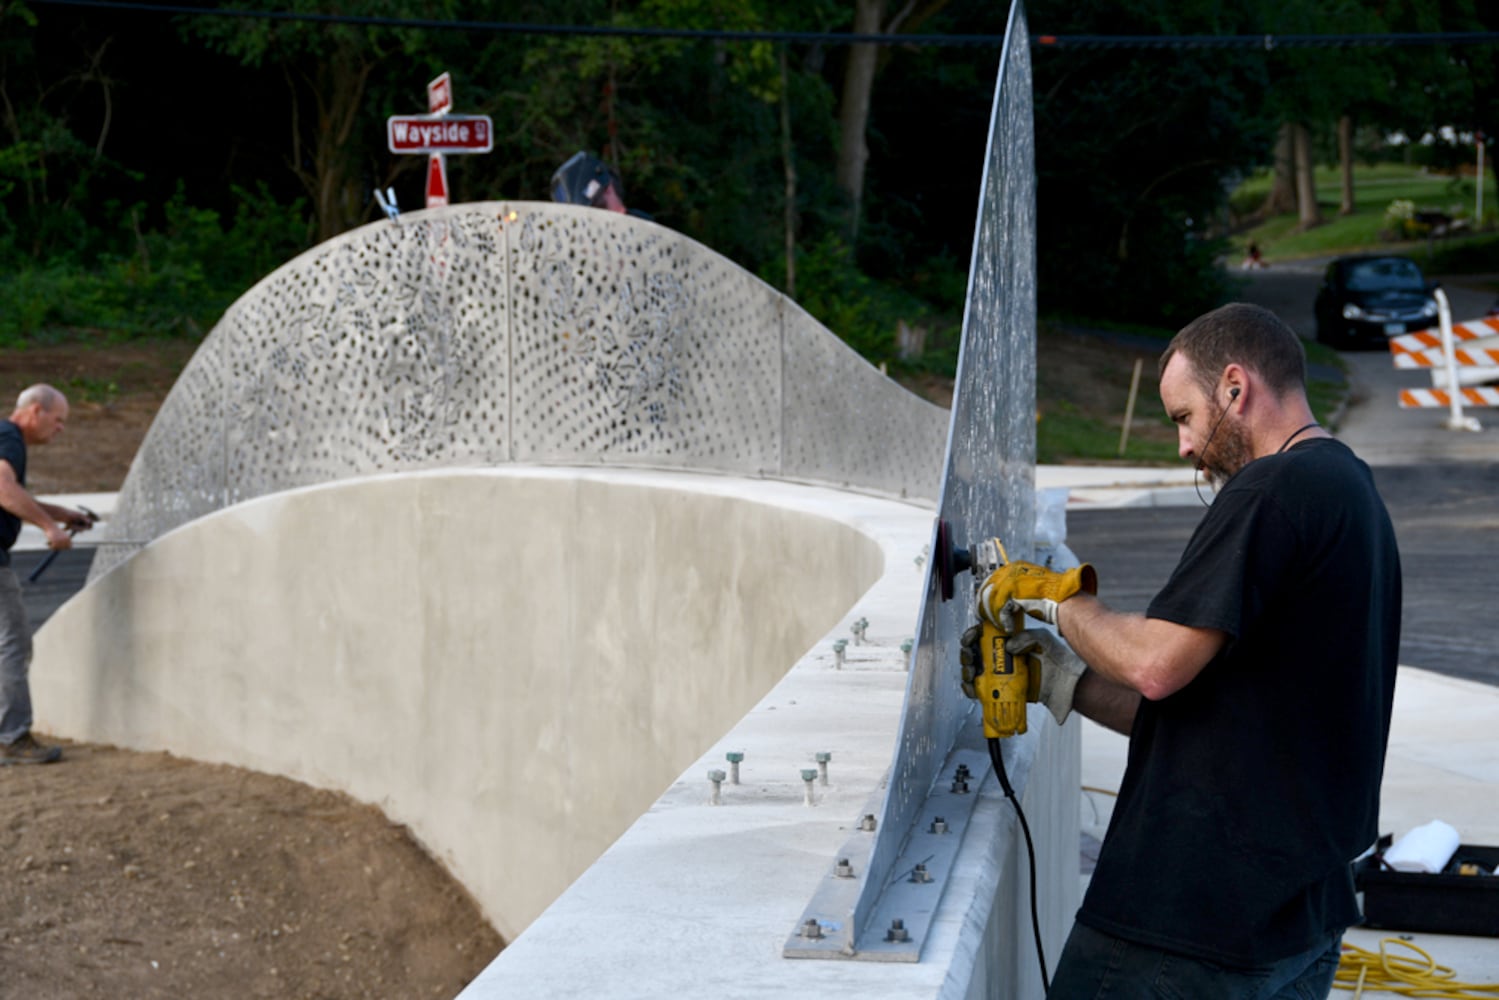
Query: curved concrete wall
513,663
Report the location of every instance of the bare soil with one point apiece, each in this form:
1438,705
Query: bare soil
142,875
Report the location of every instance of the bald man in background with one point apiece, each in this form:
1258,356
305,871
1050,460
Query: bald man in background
39,417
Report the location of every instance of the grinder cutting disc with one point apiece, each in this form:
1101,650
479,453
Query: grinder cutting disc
950,559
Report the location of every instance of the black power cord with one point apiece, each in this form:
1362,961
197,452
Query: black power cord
1030,850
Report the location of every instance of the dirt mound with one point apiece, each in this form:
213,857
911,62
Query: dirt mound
143,875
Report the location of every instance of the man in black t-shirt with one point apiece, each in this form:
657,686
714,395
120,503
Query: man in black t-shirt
41,413
1256,691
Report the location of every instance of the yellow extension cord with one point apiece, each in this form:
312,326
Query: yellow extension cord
1361,970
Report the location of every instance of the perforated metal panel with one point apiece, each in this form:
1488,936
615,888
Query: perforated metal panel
988,484
634,343
481,334
845,419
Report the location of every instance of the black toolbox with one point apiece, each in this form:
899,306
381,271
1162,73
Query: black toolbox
1445,903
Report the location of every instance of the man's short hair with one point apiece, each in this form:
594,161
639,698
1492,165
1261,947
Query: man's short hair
1244,334
40,393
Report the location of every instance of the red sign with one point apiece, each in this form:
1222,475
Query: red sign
440,95
439,133
437,181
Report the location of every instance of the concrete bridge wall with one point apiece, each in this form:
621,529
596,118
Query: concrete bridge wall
514,664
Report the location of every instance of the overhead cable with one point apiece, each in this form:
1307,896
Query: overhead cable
1042,42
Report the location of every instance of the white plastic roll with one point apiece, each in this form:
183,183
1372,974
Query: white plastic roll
1425,849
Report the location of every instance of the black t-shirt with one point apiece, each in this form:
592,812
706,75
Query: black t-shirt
1248,792
12,450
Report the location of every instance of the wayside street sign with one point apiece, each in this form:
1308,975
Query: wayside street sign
439,133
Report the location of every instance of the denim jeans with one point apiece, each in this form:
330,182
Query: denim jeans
15,660
1095,966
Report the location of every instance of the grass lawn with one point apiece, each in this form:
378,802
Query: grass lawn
1374,189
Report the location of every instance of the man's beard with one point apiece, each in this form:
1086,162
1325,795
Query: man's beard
1227,453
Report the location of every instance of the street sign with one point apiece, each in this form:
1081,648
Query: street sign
440,95
437,181
439,133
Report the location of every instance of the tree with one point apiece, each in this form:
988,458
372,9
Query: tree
853,110
1307,212
1345,161
56,99
1134,151
862,62
1282,196
337,77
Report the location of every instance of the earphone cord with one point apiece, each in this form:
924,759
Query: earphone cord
1212,434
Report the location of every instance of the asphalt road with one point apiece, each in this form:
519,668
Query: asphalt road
1375,426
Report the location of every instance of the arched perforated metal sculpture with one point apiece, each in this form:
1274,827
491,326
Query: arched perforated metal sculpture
517,332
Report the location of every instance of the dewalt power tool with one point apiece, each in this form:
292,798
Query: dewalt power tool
1000,681
996,678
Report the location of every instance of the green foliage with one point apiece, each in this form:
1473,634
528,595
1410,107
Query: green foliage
334,82
1386,198
1400,220
1132,153
862,311
1246,200
173,281
1134,147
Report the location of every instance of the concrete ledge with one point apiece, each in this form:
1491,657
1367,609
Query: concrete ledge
513,662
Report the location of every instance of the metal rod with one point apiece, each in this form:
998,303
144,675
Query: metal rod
1129,407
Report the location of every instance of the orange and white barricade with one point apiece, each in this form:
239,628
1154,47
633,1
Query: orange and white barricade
1454,353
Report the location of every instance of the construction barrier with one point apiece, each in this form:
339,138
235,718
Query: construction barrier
1452,367
1423,349
1473,395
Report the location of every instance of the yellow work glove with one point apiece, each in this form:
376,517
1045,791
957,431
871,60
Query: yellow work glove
1054,672
1037,589
971,659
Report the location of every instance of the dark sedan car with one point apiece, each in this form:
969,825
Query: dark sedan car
1367,299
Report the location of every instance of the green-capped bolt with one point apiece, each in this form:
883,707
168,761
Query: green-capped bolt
822,759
